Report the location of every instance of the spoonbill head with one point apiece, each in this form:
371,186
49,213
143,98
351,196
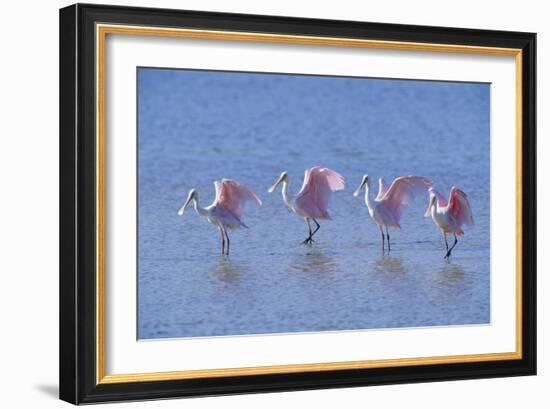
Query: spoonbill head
281,179
365,181
192,195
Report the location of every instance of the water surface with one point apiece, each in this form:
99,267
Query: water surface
199,126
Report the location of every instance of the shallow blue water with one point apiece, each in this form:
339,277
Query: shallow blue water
196,127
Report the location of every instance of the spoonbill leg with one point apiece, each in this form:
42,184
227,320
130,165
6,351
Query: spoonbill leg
388,237
308,240
383,236
223,239
316,228
452,247
227,238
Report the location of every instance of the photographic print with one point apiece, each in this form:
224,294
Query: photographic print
263,203
274,203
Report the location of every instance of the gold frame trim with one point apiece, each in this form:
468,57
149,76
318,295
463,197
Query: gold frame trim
101,33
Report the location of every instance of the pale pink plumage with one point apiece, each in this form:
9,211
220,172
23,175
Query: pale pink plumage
398,196
313,198
382,189
226,210
450,216
232,196
388,206
312,201
454,213
460,208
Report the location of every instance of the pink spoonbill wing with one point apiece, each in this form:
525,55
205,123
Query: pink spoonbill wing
459,207
382,189
319,183
232,196
402,192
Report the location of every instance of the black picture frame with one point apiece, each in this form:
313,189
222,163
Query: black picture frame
78,381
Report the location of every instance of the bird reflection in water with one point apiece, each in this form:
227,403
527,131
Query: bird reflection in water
450,275
229,271
314,261
389,264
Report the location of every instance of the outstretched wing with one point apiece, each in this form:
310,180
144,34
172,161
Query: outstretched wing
319,183
382,189
402,192
232,196
459,207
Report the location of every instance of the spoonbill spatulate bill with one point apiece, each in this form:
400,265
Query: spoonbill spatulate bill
388,206
312,200
450,216
227,209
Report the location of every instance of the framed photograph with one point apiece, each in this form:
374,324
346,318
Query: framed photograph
257,203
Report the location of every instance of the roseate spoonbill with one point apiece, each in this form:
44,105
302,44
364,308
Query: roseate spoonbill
311,202
387,207
450,217
226,210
